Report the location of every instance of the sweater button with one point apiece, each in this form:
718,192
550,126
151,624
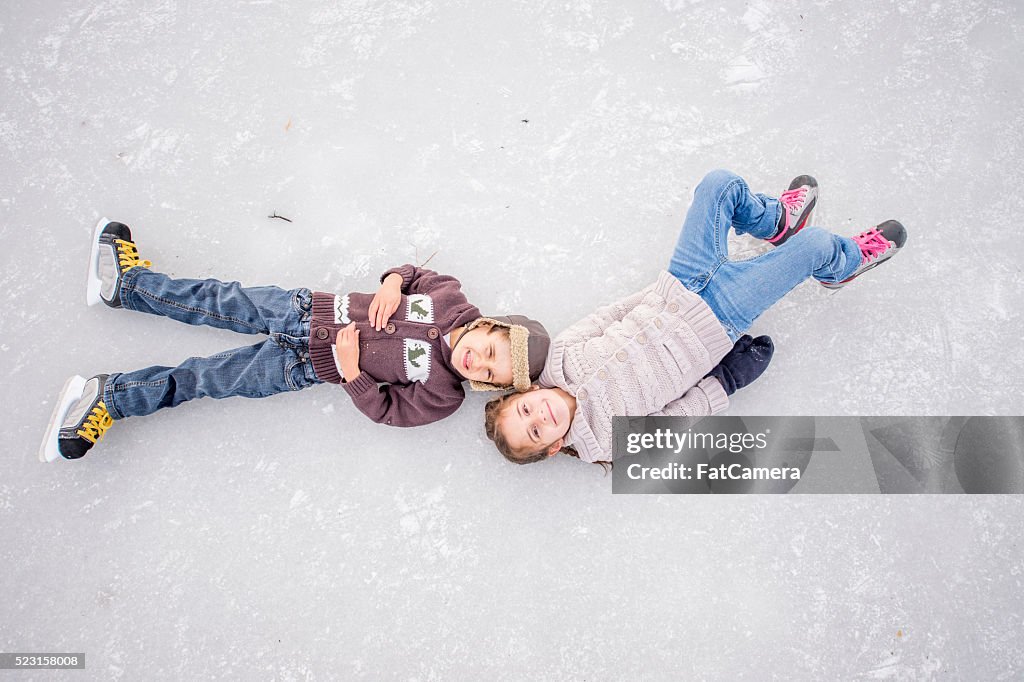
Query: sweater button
390,328
621,356
658,322
582,395
641,339
433,333
322,333
602,375
673,307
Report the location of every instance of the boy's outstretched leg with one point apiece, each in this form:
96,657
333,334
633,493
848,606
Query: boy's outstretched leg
277,365
87,408
119,278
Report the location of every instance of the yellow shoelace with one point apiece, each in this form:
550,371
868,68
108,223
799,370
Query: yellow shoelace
96,424
128,255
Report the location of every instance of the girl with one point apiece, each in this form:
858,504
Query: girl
418,336
655,352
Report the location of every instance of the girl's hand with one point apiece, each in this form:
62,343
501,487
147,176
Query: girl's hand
386,301
747,360
347,352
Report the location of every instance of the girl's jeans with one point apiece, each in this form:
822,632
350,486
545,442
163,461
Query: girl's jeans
280,363
739,291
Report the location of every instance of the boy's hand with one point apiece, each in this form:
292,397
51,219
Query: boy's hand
347,351
386,301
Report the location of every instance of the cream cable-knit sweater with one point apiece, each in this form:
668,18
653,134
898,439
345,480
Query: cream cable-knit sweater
643,355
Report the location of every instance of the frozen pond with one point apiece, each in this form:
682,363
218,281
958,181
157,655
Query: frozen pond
545,153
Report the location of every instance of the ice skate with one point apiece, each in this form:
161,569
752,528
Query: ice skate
797,204
877,245
113,254
79,419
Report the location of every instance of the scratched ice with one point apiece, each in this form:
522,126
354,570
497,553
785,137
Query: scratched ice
544,153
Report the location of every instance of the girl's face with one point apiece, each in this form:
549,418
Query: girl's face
536,420
484,354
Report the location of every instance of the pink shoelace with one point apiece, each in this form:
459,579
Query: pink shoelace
793,199
872,243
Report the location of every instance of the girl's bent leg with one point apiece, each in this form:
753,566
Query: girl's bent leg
741,290
722,199
278,364
227,305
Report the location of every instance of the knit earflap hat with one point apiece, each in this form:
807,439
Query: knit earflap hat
529,342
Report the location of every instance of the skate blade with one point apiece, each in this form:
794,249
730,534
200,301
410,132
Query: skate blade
92,292
72,391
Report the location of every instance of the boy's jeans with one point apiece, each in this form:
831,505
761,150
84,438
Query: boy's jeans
280,363
739,291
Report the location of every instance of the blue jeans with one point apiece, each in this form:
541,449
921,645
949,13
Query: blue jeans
280,363
739,291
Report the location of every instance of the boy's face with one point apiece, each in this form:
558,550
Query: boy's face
536,420
484,355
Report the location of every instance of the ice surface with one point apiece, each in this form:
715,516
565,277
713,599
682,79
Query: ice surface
547,152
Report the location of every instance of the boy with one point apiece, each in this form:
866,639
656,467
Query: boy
401,354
